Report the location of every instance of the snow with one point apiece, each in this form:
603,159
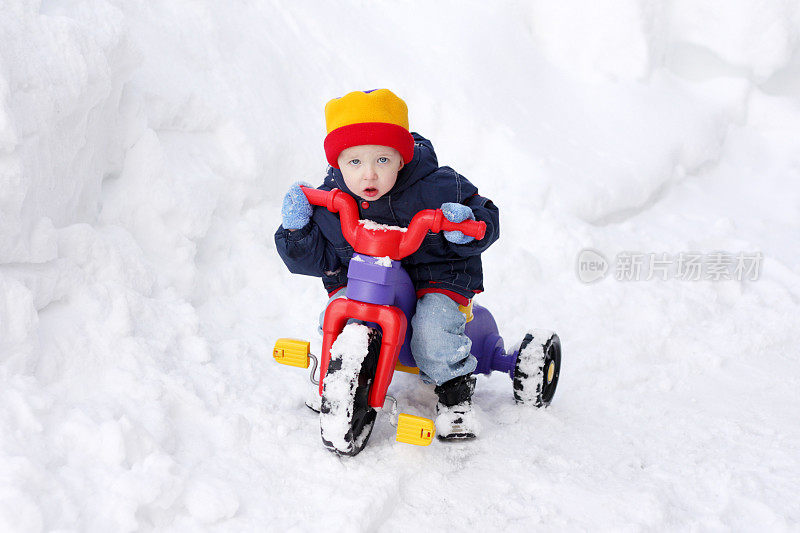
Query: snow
385,261
144,151
374,226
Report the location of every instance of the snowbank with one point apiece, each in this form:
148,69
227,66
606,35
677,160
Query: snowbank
144,150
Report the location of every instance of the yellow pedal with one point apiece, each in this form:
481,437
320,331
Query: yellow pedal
292,352
415,430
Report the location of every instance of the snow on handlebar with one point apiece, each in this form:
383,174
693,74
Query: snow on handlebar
385,242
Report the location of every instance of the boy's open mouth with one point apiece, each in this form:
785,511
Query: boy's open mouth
370,192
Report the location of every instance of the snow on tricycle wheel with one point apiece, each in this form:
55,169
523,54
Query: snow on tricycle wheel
345,417
537,369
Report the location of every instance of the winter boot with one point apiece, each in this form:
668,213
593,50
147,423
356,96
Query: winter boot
455,419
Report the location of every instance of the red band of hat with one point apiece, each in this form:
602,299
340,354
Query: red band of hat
380,133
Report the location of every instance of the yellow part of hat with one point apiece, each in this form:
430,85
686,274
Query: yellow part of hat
380,105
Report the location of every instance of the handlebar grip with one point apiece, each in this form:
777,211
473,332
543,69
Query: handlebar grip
473,228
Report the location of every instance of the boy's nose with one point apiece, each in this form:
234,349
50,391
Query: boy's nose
370,173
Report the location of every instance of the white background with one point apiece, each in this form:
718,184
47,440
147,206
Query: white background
144,151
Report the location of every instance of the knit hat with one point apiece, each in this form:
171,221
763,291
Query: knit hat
367,117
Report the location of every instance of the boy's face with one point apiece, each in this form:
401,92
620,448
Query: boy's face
370,170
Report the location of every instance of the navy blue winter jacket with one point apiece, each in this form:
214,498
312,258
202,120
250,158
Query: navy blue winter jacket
319,249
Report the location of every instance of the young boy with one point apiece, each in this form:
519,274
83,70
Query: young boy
393,174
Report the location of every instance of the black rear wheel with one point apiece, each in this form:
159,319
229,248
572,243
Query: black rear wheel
538,368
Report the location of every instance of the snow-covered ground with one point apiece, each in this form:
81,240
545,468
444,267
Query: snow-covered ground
144,151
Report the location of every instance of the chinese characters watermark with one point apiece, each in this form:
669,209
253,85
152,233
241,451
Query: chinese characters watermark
685,266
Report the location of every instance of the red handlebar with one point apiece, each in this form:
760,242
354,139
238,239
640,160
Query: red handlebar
393,243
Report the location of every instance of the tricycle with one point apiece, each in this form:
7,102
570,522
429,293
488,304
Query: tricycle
366,335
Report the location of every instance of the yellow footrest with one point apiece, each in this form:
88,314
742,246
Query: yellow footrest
415,430
292,352
404,368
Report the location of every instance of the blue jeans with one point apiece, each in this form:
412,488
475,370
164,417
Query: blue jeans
438,343
440,347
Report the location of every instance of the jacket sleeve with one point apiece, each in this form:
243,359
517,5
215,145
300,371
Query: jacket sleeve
483,209
305,251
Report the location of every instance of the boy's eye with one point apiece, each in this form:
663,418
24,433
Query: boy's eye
355,161
383,160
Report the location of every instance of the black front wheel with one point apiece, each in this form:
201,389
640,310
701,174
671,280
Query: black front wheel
345,417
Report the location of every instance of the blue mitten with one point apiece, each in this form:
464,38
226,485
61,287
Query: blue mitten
296,211
457,213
